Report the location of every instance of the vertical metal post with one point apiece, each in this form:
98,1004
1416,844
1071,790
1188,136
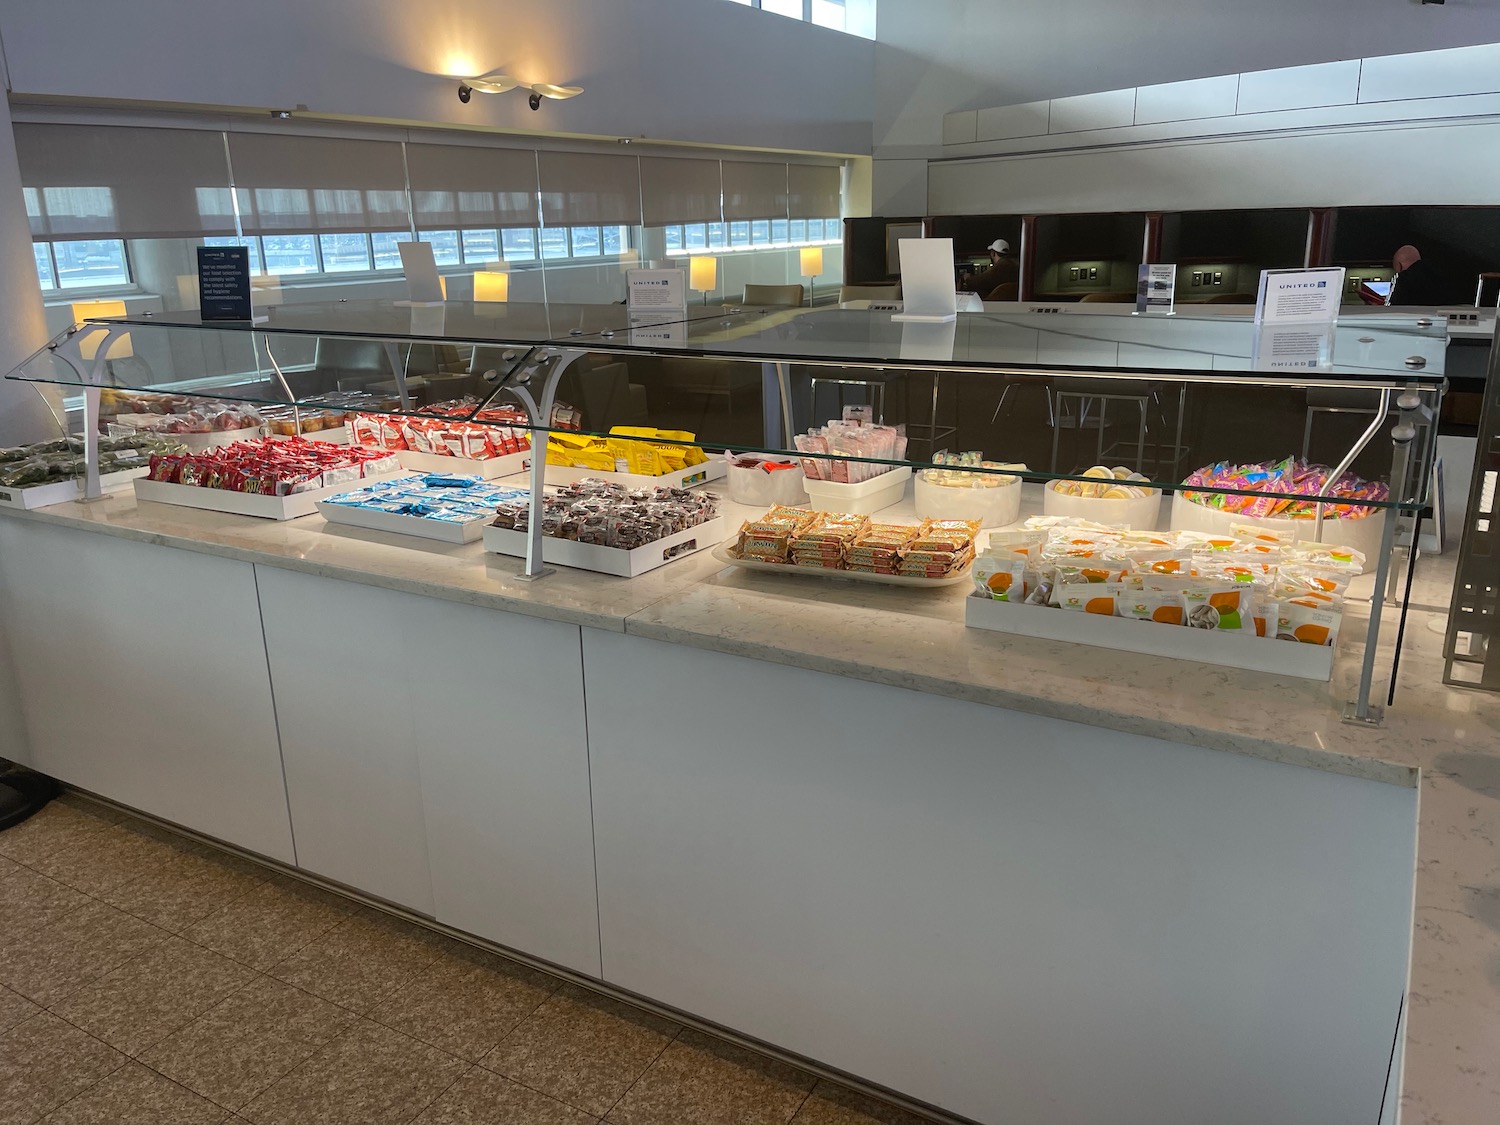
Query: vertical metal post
550,365
91,372
398,366
1360,710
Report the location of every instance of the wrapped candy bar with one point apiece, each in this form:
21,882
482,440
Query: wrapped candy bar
1287,489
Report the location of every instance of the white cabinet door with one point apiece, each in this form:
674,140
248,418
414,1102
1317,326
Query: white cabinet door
143,678
1011,917
436,756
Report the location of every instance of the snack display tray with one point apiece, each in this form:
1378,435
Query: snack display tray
721,552
609,560
245,503
61,491
712,469
1257,654
404,525
488,469
1364,535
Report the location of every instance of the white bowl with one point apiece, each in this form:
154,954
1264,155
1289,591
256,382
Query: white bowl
1138,514
1363,535
992,507
760,489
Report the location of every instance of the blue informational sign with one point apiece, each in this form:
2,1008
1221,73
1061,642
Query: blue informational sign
224,283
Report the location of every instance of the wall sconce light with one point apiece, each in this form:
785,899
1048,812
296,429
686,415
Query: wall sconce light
812,269
703,275
503,83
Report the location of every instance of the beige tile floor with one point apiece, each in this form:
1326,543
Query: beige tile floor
146,979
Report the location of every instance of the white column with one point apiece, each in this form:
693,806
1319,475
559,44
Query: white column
24,415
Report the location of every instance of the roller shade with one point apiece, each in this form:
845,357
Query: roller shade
103,181
454,186
318,184
815,191
582,189
754,191
679,191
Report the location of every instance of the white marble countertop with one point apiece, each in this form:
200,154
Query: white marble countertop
1444,739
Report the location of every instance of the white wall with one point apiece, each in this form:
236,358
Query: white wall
936,56
682,70
1451,163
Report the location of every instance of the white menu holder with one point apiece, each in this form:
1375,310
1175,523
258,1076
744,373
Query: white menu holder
423,287
927,292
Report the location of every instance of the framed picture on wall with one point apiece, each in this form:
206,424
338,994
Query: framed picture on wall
894,233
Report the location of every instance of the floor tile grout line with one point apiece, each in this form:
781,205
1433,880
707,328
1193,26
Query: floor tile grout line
456,1080
68,1101
656,1058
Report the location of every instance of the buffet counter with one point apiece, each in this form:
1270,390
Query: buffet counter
608,885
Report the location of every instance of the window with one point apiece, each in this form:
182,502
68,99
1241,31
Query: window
384,243
343,252
44,272
290,253
753,234
87,264
829,13
253,244
855,17
444,246
520,245
585,242
481,245
554,243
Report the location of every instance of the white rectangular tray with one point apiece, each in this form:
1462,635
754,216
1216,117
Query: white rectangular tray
1257,654
61,491
609,560
404,525
244,503
489,469
721,552
713,469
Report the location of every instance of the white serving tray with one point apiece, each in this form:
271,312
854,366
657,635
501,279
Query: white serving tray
399,524
721,552
1201,646
245,503
487,469
608,560
713,469
61,491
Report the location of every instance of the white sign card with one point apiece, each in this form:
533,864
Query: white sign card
1156,288
1293,347
1299,296
420,267
929,340
655,330
656,291
927,291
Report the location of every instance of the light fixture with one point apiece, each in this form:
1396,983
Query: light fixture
491,286
540,90
502,83
703,275
486,84
812,269
119,347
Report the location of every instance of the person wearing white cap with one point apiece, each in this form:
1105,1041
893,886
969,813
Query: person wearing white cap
1003,269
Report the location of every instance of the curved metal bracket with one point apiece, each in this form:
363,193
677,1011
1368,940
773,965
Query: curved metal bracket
91,373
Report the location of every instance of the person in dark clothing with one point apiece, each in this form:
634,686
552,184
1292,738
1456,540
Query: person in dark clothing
1003,269
1417,283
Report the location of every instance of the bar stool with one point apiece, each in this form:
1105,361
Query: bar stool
874,383
1142,394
